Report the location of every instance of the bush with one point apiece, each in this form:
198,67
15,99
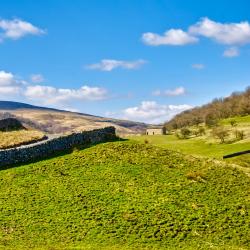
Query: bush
221,133
195,175
239,134
185,133
233,123
201,131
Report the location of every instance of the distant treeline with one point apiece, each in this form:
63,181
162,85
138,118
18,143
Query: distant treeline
238,104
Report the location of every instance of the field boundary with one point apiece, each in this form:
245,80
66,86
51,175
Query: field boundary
44,149
236,154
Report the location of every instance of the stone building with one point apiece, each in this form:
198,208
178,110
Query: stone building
157,130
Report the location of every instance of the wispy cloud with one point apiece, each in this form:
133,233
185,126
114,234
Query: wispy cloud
170,92
150,112
198,66
37,78
176,37
231,52
17,28
110,64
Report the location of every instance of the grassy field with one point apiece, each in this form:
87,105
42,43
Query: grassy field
206,145
124,195
194,146
20,137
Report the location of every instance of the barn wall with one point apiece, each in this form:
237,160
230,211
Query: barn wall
154,132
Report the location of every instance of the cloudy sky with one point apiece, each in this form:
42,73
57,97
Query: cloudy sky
141,60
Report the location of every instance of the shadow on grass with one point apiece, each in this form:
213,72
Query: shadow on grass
60,153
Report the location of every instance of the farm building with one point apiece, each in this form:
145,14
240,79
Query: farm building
156,131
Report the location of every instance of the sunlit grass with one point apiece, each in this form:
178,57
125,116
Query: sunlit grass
16,138
124,195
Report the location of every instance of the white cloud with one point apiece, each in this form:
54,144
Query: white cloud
51,95
16,28
224,33
110,64
228,33
198,66
151,112
37,78
170,92
6,78
170,37
231,52
9,84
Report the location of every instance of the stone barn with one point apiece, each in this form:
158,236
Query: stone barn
156,131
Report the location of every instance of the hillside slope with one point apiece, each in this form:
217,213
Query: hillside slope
124,195
59,121
238,104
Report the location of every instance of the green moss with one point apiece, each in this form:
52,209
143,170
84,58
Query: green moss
124,195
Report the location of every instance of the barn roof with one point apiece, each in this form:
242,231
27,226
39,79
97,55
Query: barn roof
156,127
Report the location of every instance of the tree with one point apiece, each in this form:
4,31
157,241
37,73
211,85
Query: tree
211,121
221,133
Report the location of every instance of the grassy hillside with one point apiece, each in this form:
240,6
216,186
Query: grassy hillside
20,137
124,195
237,104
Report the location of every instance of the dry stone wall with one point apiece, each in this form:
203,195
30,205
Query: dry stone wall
38,151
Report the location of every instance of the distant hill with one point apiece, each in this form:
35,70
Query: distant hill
7,105
237,104
57,121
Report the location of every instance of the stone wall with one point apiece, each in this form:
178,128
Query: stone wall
43,149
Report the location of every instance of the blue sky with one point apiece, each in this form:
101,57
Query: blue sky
142,60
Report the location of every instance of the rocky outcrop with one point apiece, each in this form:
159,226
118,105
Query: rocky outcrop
10,124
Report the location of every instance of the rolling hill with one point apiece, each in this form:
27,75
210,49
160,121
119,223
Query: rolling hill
59,121
124,195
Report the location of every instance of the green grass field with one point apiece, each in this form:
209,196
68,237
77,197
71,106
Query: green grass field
193,146
124,195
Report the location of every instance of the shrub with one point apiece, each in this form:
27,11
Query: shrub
239,134
201,131
221,133
195,175
233,123
185,133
